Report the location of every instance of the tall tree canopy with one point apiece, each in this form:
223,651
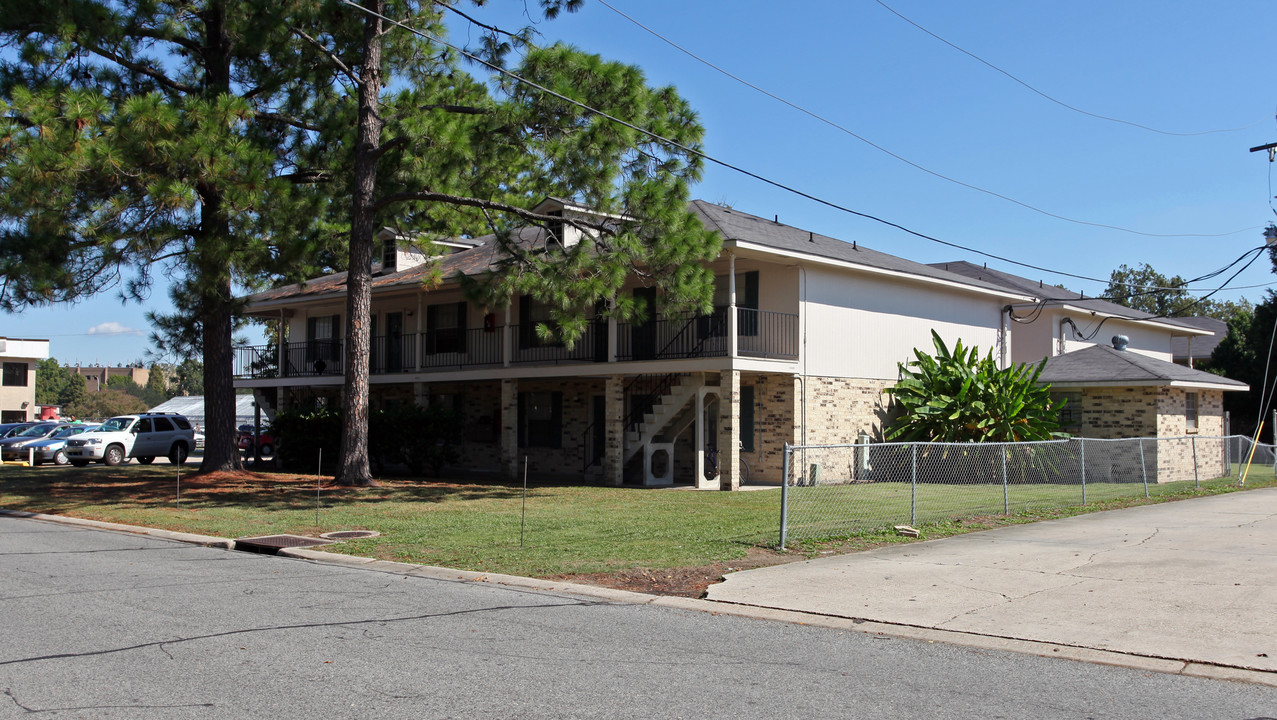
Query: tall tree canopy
224,143
151,138
432,151
1144,288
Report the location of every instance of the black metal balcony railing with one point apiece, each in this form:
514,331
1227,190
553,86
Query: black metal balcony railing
590,347
764,334
392,354
450,348
760,333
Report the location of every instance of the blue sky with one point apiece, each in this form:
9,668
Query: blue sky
1177,66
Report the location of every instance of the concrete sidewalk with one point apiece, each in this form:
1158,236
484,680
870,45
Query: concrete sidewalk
1194,580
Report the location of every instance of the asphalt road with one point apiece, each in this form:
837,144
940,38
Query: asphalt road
110,625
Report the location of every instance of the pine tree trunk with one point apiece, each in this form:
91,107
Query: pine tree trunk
220,449
213,277
353,467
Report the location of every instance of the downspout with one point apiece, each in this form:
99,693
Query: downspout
802,377
1004,336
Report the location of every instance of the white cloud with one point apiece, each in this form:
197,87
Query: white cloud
114,328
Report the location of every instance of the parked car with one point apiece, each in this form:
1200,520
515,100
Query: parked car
14,447
10,429
145,436
266,443
53,448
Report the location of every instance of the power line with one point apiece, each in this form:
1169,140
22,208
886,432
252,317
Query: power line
1061,103
710,158
901,158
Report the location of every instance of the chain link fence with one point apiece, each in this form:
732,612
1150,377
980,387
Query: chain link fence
837,490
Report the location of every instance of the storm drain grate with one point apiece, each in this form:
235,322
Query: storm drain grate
350,534
272,544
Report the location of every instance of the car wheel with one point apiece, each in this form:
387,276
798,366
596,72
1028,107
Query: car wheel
60,458
113,456
267,450
146,459
177,455
79,463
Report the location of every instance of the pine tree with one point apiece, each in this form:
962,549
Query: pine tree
155,137
436,154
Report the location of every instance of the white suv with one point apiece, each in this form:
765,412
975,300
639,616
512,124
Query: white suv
145,437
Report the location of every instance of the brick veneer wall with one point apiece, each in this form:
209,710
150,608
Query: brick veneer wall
1121,412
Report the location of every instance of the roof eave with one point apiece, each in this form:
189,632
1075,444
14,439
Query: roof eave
831,262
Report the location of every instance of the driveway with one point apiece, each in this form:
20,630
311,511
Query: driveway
1194,580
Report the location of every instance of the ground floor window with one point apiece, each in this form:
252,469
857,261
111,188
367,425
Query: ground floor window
1190,411
1069,408
541,419
11,416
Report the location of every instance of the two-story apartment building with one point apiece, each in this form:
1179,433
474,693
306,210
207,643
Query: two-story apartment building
18,359
807,332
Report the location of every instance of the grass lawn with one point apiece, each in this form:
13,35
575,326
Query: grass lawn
570,530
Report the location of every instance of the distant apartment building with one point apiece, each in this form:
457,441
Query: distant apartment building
97,376
18,359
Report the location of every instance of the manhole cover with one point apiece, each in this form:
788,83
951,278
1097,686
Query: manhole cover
349,534
271,544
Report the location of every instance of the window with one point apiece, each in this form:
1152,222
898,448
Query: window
541,419
15,374
446,328
1190,411
533,312
143,426
324,345
1069,407
389,256
163,425
11,416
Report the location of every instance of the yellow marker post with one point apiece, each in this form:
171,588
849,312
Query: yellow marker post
1253,444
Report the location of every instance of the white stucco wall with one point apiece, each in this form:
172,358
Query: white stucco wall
862,326
1039,339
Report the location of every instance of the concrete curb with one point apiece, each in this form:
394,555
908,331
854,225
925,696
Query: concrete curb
190,538
610,595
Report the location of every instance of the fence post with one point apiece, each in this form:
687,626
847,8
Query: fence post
1082,444
1197,480
784,497
1006,497
913,490
1143,468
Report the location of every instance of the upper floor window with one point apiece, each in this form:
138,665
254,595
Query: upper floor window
446,328
15,374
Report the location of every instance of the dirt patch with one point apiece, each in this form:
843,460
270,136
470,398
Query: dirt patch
690,582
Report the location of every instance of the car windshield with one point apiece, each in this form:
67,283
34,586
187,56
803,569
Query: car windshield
68,431
116,424
36,431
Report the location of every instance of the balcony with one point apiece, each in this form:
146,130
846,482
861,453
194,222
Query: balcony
759,334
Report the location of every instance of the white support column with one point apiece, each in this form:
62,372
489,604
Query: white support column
419,352
507,340
611,339
732,339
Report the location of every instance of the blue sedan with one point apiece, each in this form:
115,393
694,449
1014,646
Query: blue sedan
43,444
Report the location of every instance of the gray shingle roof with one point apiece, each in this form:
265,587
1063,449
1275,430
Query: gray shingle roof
1055,294
736,225
731,224
1203,346
1104,365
